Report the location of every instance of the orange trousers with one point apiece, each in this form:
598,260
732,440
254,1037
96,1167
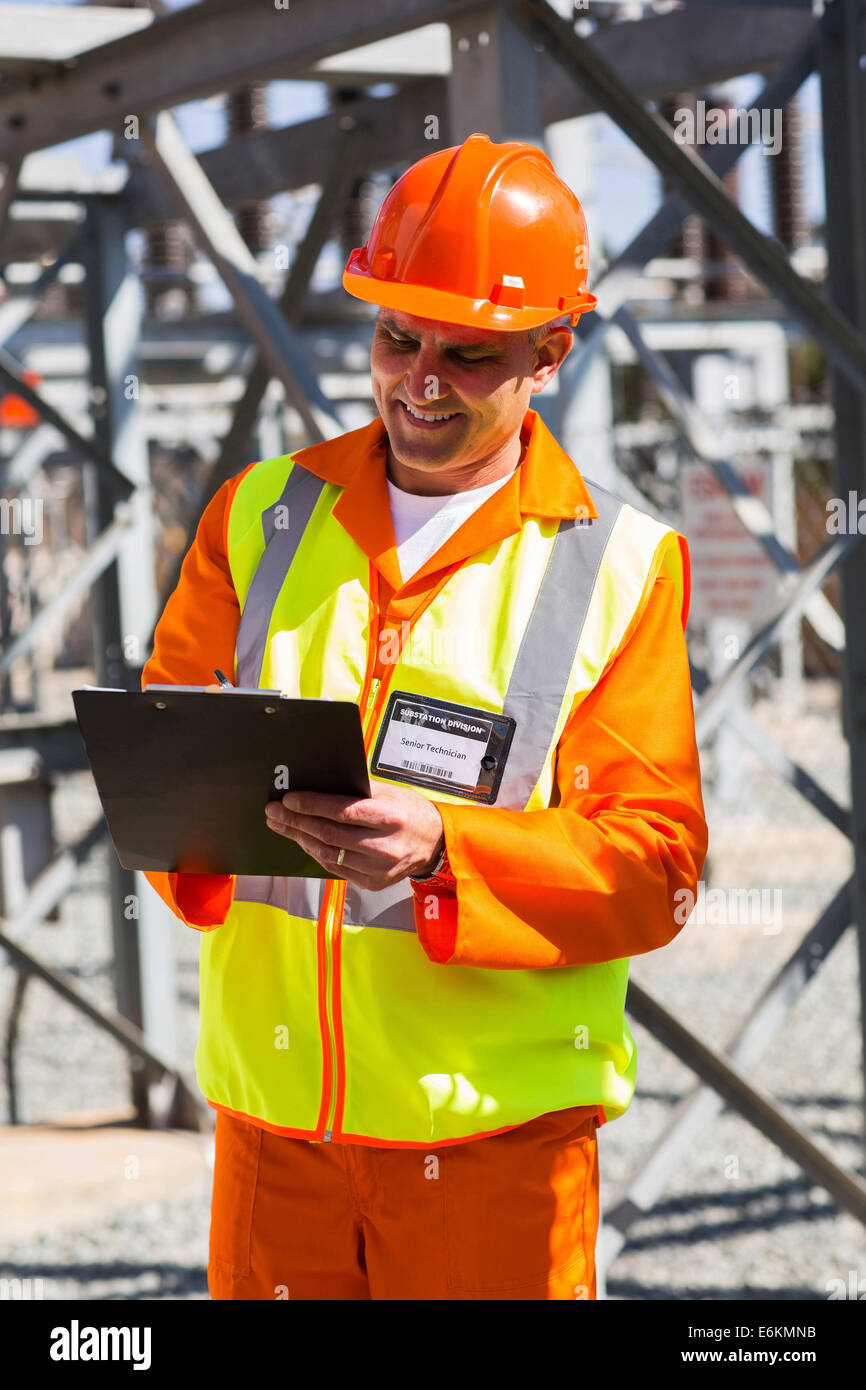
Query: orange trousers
513,1216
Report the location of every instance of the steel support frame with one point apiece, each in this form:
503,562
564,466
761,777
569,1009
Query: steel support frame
843,97
777,759
7,193
124,602
615,284
196,52
392,130
750,510
290,304
216,233
183,1108
87,449
702,189
768,749
750,1041
102,551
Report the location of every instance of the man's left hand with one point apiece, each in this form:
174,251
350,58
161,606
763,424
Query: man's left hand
394,834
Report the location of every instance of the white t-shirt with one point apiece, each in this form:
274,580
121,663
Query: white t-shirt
423,524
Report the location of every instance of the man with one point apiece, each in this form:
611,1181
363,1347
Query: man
410,1057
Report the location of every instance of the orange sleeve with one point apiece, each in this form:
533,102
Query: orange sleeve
195,634
593,877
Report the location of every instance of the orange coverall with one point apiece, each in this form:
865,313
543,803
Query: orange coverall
590,879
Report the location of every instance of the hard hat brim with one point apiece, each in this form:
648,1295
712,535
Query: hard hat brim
427,303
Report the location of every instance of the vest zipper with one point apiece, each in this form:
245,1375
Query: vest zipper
368,722
376,696
329,1007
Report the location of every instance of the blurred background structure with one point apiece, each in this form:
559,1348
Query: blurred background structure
181,187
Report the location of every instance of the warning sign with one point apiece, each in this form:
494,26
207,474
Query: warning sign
732,576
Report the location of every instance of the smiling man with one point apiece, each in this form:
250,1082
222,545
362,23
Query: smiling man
410,1057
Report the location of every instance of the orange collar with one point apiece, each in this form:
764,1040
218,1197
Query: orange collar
547,483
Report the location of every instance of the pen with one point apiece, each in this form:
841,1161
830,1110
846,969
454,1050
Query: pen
223,679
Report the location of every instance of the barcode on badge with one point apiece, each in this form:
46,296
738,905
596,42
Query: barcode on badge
428,768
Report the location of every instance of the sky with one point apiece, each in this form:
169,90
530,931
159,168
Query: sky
618,187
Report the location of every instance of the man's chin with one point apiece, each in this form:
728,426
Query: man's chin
423,448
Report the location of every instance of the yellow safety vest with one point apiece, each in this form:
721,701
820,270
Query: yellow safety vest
338,1026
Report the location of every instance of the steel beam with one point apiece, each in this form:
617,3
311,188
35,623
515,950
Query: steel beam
769,750
730,1084
704,1103
614,286
748,1100
494,85
218,236
117,1026
776,757
165,66
195,52
57,744
89,450
7,193
291,302
19,306
36,446
113,325
55,880
119,605
714,706
101,553
750,510
389,132
703,190
843,98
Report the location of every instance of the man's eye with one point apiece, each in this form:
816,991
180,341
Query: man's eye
401,342
470,361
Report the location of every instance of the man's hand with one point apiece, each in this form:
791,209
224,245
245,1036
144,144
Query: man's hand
389,836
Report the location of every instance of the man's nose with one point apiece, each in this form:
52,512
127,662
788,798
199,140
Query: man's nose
424,381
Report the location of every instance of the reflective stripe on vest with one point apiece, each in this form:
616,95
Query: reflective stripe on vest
297,502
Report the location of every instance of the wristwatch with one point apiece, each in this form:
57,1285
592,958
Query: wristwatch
441,863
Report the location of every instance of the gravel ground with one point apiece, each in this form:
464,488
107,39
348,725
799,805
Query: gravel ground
737,1220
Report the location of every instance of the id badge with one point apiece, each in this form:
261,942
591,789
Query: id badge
443,746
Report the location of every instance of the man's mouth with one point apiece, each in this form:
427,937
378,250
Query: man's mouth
428,419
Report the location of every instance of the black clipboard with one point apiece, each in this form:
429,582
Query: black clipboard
183,774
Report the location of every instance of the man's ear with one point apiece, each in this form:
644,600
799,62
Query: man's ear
550,353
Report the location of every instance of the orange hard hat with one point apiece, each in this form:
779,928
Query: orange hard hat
481,234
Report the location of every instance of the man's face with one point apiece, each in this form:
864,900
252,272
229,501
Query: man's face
480,380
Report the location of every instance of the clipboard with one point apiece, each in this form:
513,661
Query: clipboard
183,774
